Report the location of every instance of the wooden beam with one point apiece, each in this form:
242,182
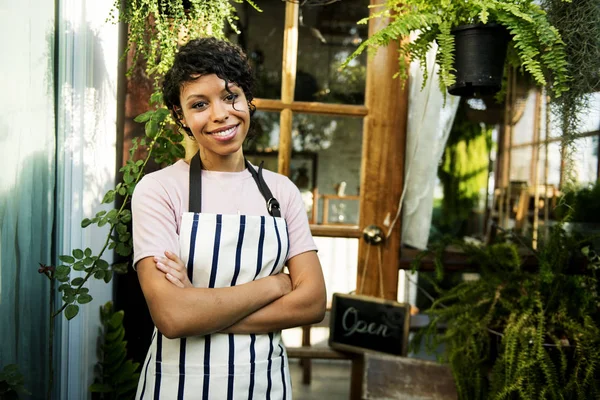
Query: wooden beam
382,169
347,231
288,84
344,110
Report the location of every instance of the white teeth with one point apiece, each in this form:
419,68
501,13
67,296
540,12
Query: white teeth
224,133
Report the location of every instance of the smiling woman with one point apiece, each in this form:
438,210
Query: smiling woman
211,238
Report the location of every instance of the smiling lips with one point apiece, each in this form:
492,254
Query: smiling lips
224,134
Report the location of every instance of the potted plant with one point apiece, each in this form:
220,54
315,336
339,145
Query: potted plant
528,328
533,43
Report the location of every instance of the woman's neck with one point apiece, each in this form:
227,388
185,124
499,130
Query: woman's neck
230,163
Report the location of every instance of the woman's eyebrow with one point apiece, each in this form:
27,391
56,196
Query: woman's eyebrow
195,96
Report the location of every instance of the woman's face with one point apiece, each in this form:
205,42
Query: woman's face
218,119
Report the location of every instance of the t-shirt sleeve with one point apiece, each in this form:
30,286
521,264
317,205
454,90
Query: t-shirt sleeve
300,237
154,220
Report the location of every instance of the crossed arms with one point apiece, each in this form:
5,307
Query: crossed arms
265,305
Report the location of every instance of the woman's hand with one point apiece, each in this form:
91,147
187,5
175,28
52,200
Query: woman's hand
285,282
174,270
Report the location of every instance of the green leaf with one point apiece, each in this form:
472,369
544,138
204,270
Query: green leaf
102,264
108,276
62,278
160,115
83,290
63,287
69,298
88,252
100,213
128,178
79,266
151,128
84,298
125,371
66,259
109,197
102,222
122,191
99,274
144,117
100,388
126,216
156,97
117,319
121,228
71,311
76,281
121,268
123,249
86,222
88,261
63,270
78,254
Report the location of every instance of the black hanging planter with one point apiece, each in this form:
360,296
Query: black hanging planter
480,52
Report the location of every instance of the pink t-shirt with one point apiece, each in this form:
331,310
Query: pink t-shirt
161,198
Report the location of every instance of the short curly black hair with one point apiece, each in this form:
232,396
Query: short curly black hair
207,56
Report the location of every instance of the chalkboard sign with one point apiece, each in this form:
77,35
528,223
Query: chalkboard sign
360,323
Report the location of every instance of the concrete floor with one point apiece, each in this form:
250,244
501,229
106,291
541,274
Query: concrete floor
330,380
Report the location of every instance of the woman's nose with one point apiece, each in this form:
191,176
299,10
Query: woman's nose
219,112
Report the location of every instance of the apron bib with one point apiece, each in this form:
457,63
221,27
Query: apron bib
220,251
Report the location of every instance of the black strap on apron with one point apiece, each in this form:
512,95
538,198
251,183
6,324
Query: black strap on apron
272,203
195,198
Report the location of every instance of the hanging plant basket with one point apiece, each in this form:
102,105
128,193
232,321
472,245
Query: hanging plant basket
479,59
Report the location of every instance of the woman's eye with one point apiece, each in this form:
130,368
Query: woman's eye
231,97
199,104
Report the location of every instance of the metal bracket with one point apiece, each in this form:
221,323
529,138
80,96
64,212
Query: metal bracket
373,234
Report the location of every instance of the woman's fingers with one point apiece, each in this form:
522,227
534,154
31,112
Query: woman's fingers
173,257
174,269
174,280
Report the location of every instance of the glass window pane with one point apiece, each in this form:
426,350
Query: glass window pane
589,118
520,164
264,129
523,130
554,157
585,159
261,37
326,164
327,35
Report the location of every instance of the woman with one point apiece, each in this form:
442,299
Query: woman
210,240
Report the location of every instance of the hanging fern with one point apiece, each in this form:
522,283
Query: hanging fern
537,45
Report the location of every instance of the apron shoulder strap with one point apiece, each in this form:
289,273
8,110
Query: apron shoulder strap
195,198
272,204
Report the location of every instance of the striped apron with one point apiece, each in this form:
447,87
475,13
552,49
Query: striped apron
221,251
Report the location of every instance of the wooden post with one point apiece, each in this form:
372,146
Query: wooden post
288,84
535,171
382,169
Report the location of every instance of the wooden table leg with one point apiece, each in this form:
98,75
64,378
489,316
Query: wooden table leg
356,378
306,362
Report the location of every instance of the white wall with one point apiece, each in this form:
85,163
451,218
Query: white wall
87,89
